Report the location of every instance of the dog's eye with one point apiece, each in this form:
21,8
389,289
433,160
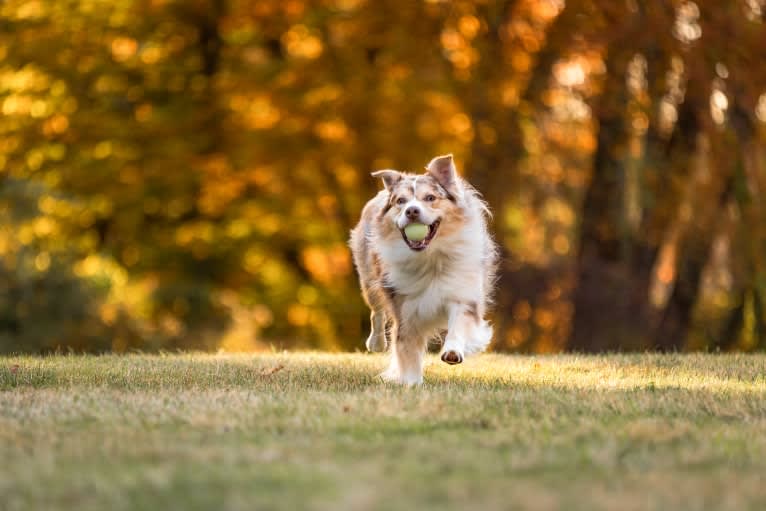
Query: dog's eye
401,200
430,198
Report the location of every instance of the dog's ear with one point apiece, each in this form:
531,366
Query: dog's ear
389,177
442,168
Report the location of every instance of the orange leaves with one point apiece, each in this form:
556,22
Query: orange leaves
123,48
327,264
301,42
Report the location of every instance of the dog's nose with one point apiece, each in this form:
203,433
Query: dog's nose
413,212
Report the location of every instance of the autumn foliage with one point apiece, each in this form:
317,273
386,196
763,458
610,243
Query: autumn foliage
184,173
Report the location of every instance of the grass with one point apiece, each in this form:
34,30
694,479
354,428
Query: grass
316,431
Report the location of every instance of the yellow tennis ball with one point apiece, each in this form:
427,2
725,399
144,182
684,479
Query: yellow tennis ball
416,232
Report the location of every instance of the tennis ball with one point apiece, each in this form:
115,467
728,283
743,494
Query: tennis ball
416,232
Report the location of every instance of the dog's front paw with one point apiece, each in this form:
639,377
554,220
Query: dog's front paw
376,343
393,375
452,356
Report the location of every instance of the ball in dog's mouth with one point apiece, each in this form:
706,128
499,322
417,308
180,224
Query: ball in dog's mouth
420,244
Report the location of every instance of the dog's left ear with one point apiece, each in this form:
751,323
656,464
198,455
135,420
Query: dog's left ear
442,168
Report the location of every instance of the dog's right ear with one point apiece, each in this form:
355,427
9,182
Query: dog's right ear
389,177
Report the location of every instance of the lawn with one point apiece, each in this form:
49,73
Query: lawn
320,431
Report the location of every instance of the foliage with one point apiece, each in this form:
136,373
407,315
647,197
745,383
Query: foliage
183,174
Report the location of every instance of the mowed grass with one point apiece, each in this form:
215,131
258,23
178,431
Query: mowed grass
320,431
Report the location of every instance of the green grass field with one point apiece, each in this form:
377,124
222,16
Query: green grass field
316,431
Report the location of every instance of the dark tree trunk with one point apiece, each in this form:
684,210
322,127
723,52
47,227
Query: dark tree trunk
613,269
676,318
696,245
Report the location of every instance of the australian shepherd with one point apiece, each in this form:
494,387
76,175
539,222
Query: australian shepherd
439,281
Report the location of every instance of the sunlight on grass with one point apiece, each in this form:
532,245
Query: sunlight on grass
284,430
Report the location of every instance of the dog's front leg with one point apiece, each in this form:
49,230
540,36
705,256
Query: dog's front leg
462,323
406,365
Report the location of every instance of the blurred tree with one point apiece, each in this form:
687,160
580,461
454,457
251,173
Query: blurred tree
184,174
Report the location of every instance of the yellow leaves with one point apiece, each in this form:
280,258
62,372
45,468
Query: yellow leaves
102,150
102,205
42,261
348,5
268,224
328,204
177,207
300,42
452,40
509,94
143,112
487,134
195,232
17,105
460,126
262,315
333,130
458,49
131,255
43,226
238,229
272,272
521,61
35,159
307,295
39,108
323,94
256,112
346,175
252,260
123,48
298,315
327,264
55,125
6,244
469,26
49,205
28,10
220,185
95,265
561,244
152,54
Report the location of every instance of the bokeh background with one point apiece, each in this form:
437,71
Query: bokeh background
183,174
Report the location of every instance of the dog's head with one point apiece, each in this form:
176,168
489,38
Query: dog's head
435,198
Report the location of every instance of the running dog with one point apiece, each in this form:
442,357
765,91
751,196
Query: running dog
418,288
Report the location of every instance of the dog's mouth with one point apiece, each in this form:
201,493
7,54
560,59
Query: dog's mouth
421,244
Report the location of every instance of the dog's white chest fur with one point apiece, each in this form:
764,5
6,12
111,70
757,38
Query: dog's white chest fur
450,271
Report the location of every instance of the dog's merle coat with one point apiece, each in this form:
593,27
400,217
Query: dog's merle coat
417,289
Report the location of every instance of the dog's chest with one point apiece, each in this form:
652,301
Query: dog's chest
426,289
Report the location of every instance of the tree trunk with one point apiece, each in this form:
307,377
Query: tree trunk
613,268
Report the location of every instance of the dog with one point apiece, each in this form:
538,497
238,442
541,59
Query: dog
417,289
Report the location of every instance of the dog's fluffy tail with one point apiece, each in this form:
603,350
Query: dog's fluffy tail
479,341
